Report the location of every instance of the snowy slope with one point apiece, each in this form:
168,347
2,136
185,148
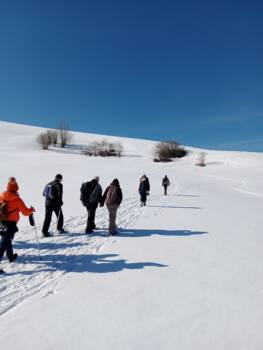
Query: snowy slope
183,273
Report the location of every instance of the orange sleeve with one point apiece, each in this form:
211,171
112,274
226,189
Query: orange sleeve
22,207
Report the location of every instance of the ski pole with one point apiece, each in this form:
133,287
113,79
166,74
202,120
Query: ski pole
32,223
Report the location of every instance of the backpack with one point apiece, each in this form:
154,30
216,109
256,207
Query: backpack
3,229
48,192
112,195
86,190
3,211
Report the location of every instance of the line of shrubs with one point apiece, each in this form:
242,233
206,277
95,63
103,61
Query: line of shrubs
52,137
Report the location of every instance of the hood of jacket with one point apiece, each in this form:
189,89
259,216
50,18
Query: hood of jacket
9,196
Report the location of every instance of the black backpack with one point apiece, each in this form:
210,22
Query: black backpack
85,191
3,211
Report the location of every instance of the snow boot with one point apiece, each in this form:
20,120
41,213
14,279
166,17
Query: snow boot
62,231
88,231
13,258
46,234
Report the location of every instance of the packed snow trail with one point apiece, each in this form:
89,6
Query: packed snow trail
72,251
60,254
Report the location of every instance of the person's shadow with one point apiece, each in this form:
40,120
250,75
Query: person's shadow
52,260
94,263
171,207
146,233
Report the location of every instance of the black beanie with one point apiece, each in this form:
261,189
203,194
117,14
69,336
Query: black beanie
58,177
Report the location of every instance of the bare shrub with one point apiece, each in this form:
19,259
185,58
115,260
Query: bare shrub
43,140
53,136
200,161
64,134
86,151
168,150
118,148
104,148
94,148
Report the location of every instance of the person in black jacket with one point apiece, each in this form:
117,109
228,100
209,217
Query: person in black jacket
113,198
91,196
165,184
53,192
144,189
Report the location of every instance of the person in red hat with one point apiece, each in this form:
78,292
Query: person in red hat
11,205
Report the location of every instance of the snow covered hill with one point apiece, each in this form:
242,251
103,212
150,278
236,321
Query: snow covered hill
183,273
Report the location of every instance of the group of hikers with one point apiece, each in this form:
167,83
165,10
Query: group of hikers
91,196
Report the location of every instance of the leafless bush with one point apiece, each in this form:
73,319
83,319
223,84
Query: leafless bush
166,151
94,148
53,136
118,148
104,148
64,134
200,161
43,140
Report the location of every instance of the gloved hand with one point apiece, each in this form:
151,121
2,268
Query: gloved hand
33,208
31,220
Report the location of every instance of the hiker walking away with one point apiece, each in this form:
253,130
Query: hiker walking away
53,192
113,198
165,184
144,189
91,196
10,206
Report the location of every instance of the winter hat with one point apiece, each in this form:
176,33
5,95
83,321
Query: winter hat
58,177
12,185
115,182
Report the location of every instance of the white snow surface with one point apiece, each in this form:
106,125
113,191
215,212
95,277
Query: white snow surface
184,272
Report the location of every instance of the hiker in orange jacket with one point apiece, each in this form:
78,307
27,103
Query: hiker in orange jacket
9,219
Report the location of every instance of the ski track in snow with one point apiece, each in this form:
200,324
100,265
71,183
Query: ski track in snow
61,254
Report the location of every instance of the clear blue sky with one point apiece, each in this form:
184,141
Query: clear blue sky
190,71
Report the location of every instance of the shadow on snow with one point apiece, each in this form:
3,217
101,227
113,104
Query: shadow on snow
171,207
53,260
94,263
146,233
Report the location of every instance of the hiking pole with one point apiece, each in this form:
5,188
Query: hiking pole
32,223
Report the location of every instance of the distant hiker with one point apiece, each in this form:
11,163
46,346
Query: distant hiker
10,206
144,189
113,198
90,196
53,192
165,184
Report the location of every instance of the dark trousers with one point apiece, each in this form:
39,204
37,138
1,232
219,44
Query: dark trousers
143,195
165,189
6,240
91,209
48,216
